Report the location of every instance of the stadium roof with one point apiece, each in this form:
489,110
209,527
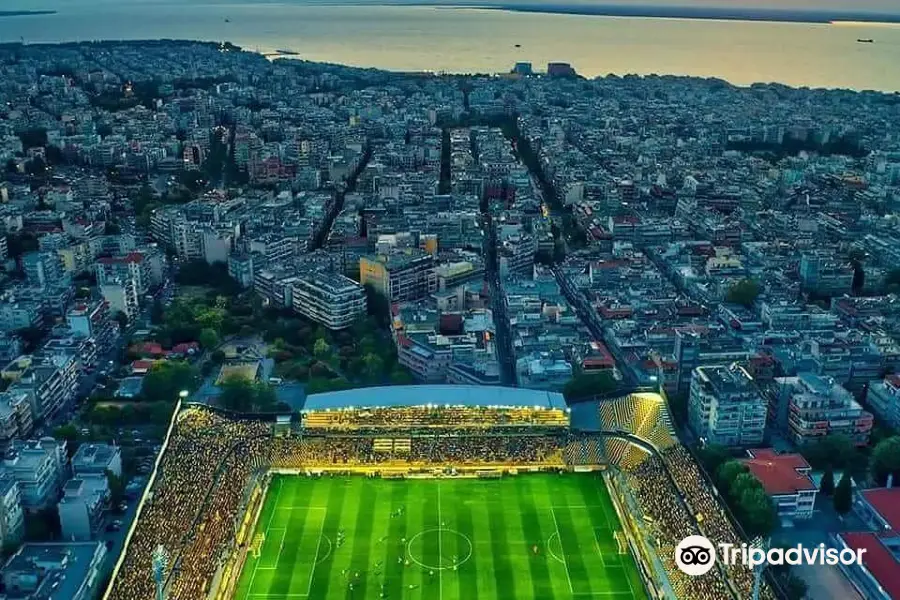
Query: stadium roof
439,395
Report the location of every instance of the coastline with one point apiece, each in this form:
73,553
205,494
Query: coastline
26,13
684,12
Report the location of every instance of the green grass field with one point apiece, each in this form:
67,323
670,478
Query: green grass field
429,539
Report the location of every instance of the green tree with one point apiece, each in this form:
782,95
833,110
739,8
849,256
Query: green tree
321,348
885,460
744,292
827,484
116,488
843,495
236,394
837,451
400,376
265,398
584,386
209,339
374,366
714,456
167,379
758,513
728,472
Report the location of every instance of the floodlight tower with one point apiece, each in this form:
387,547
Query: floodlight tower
160,562
764,545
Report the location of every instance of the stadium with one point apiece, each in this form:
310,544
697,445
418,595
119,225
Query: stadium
431,492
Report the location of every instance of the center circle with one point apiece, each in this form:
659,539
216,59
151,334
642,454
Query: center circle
438,536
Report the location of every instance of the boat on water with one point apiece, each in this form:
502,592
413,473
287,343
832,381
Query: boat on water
518,45
865,41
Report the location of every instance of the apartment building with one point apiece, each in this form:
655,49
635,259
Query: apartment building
92,319
333,300
39,468
883,397
97,459
72,570
81,507
809,406
16,420
725,407
401,276
12,516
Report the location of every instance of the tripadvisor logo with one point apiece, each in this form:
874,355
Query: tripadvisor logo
696,555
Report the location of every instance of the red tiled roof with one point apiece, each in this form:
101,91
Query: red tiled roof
887,502
142,365
185,347
877,559
778,472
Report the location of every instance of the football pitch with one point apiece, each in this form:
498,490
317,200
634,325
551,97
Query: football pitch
523,537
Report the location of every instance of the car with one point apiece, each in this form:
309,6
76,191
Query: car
114,526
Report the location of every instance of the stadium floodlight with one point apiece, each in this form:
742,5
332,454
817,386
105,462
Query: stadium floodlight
183,394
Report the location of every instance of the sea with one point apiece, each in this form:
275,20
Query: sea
477,40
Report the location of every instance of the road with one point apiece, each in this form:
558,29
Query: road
591,320
506,354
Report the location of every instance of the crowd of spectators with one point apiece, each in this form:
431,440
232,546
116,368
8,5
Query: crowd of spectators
433,416
714,522
672,521
181,513
458,449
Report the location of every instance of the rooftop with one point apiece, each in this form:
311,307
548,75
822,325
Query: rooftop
779,473
887,502
422,395
878,560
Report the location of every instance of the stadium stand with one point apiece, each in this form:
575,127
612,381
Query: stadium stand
209,477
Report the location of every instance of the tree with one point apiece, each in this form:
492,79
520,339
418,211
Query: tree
116,488
584,386
744,292
122,319
827,485
843,495
728,472
837,451
321,348
167,379
374,366
236,394
400,376
714,456
758,515
885,460
209,339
